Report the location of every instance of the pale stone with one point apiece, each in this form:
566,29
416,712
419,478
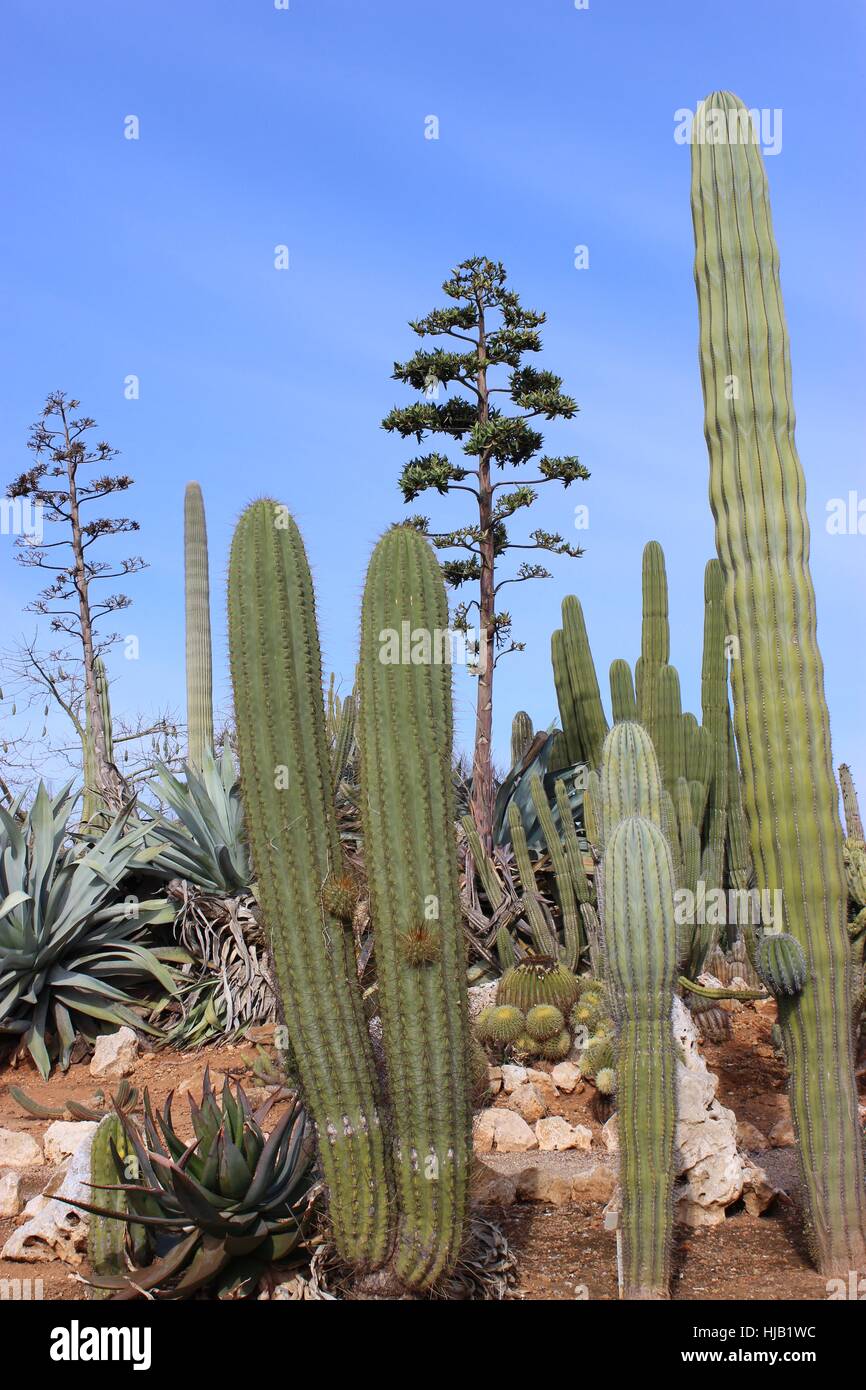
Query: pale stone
545,1084
528,1102
710,1170
542,1184
513,1076
481,997
488,1186
766,1007
758,1191
57,1231
11,1200
782,1134
19,1149
596,1184
494,1080
62,1138
503,1131
114,1054
610,1134
35,1205
749,1136
556,1134
565,1076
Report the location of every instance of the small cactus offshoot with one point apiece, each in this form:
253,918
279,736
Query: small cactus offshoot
340,894
544,1021
780,963
503,1024
605,1081
555,1049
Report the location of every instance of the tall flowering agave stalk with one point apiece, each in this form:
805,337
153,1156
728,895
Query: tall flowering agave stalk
757,491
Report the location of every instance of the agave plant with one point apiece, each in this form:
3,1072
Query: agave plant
70,950
206,844
220,1208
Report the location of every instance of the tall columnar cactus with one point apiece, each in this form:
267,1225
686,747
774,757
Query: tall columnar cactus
405,737
106,1237
92,803
853,823
630,778
199,679
714,708
757,490
277,677
641,953
622,696
655,641
581,712
522,734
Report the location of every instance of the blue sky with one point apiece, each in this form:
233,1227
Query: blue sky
305,127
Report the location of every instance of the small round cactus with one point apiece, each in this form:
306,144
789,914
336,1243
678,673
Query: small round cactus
544,1021
585,1013
555,1049
597,1055
420,945
605,1081
525,1046
780,963
340,894
505,1024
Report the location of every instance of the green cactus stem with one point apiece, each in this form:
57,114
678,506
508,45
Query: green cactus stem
581,712
757,492
286,777
522,734
655,639
106,1237
405,742
640,939
622,697
853,822
714,711
199,679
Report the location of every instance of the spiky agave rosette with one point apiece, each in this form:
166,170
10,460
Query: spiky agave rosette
216,1210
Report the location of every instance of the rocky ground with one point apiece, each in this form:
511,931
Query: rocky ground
545,1169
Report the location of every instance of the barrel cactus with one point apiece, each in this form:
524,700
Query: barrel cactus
538,980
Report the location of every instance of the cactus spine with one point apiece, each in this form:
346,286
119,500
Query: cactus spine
277,678
199,679
92,803
405,735
757,491
640,942
105,1236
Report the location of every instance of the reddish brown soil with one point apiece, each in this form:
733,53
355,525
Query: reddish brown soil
563,1251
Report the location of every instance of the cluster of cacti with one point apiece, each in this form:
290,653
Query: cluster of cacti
397,1182
757,492
636,897
199,678
534,1000
92,805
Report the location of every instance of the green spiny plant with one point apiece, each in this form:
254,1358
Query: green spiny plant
538,980
853,821
581,713
405,739
106,1234
277,679
199,678
522,734
780,963
544,1021
757,492
640,940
